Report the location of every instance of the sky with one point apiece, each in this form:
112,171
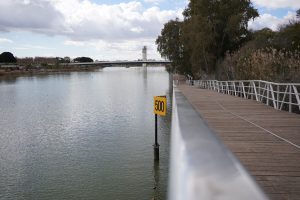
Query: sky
104,29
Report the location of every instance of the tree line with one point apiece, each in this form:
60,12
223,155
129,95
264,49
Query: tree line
213,42
8,57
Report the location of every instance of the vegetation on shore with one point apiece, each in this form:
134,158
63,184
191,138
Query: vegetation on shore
44,70
7,57
214,42
10,65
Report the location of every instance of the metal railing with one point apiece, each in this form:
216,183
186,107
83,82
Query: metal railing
281,96
201,166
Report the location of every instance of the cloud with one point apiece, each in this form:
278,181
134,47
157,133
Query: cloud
124,49
106,31
30,47
156,2
130,20
39,47
74,43
274,4
21,48
34,15
5,40
84,20
270,21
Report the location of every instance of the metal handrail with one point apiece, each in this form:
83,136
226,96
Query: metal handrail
201,167
281,96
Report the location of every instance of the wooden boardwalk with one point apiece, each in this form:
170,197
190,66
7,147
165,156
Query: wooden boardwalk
265,140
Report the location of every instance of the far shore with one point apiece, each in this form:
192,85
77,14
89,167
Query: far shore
33,71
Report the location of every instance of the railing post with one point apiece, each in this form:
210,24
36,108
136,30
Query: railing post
297,96
290,98
234,88
267,93
214,82
215,85
255,91
278,96
260,96
273,96
239,89
283,98
243,87
227,87
252,91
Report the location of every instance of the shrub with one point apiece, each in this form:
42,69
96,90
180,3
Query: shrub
262,64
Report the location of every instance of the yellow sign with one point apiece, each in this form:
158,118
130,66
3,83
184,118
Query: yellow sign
160,105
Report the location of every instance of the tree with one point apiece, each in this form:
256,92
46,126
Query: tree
215,27
83,59
170,46
262,38
288,37
67,59
209,30
200,51
7,57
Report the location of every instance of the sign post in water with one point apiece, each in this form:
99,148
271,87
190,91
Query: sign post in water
160,108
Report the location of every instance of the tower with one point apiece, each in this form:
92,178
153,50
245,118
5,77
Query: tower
144,52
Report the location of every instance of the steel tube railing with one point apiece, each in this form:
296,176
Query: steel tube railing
281,96
201,167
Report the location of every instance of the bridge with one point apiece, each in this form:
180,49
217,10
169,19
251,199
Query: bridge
118,63
235,140
143,62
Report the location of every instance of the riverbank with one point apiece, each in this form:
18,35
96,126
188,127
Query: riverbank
32,71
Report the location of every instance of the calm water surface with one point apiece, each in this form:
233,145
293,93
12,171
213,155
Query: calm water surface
85,135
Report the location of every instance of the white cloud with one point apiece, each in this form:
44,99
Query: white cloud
270,21
87,20
21,48
5,40
156,2
108,32
84,20
137,29
29,47
74,43
34,15
119,49
264,20
39,47
273,4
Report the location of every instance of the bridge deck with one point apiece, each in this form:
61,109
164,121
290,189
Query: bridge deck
265,140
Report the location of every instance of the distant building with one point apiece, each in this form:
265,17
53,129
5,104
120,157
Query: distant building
45,60
36,61
144,52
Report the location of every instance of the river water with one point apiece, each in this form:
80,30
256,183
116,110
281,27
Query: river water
83,135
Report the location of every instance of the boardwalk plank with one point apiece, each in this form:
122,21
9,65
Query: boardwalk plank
245,126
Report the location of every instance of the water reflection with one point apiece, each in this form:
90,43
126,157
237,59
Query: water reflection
83,135
156,187
8,79
145,77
